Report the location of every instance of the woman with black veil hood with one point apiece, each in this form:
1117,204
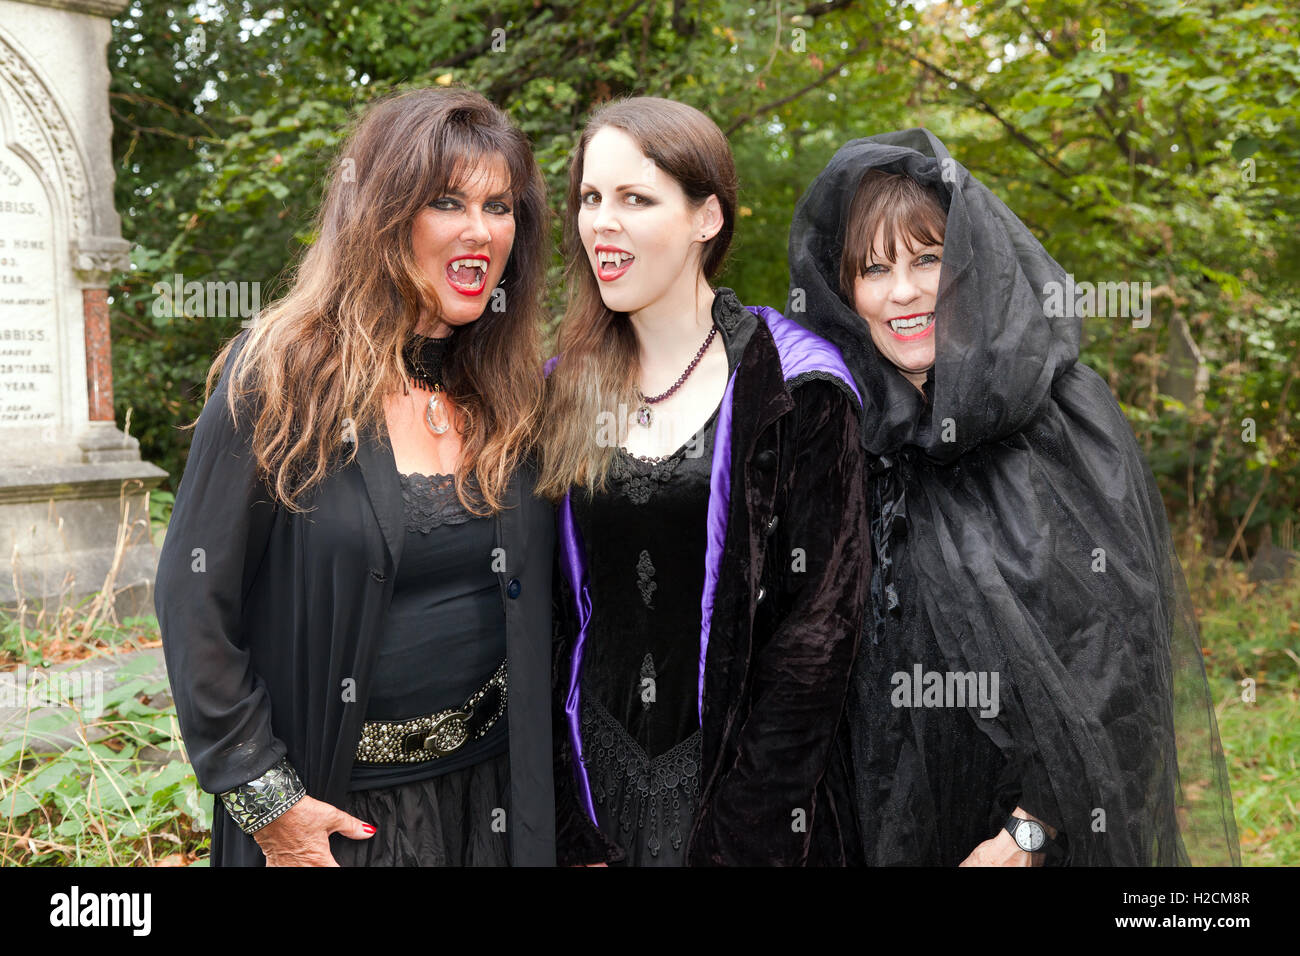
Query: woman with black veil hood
1030,686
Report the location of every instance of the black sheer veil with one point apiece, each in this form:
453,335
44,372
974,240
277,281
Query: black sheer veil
1034,526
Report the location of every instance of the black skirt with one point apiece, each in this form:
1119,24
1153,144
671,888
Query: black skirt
455,819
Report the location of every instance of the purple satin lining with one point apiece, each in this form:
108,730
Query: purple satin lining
803,351
573,559
715,525
800,351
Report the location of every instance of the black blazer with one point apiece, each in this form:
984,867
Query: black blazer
269,621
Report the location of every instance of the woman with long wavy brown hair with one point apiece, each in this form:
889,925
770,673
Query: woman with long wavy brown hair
709,526
355,551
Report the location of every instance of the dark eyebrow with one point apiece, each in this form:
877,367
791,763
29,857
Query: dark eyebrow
504,194
624,188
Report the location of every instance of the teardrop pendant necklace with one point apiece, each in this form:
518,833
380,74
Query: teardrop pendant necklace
643,414
424,360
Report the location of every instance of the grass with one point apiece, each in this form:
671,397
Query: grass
1250,633
117,797
61,637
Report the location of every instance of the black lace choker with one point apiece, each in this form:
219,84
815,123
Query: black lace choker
424,357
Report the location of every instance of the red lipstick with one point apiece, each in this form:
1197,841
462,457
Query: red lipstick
912,337
477,276
604,271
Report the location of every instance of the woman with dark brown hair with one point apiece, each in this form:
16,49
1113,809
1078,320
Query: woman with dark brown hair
710,526
1031,690
355,551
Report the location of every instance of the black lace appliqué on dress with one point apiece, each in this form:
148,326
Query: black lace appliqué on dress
645,570
430,501
638,479
655,798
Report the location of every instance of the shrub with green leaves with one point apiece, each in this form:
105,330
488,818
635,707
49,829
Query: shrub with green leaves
120,795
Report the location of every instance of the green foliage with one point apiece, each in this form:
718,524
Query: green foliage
122,795
1250,633
69,628
1150,142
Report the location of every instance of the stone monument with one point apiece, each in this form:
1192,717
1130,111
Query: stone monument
73,491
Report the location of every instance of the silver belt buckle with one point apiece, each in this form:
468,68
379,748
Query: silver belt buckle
447,734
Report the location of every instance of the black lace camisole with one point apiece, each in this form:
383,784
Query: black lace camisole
445,632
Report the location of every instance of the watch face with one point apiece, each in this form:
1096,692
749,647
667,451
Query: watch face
1030,836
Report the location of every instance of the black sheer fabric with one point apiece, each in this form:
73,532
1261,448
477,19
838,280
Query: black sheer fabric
1017,531
445,632
455,819
640,678
932,785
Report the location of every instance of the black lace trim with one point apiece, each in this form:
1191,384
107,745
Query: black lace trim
638,477
424,357
657,798
430,501
636,485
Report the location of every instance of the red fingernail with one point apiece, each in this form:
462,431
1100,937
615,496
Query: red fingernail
368,828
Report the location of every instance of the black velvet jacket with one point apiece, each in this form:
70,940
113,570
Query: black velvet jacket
788,609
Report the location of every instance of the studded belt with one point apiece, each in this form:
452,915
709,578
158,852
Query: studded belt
421,739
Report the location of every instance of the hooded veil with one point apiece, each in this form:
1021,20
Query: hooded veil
1016,523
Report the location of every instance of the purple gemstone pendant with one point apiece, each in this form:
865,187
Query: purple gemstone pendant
643,416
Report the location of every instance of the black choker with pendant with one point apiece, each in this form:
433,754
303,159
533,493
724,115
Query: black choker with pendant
424,357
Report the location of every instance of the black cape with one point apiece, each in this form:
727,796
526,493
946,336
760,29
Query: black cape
995,498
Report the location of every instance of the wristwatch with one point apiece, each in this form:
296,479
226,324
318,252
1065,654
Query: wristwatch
1028,834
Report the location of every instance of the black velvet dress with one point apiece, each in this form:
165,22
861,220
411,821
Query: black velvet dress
640,677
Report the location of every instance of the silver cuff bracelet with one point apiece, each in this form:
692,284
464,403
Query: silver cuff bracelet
255,804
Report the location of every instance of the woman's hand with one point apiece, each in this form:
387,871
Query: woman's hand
301,835
1002,850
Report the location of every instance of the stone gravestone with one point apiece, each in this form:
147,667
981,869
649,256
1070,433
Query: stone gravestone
73,490
1184,373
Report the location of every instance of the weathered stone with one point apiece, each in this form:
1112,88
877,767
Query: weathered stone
1272,563
24,694
73,490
